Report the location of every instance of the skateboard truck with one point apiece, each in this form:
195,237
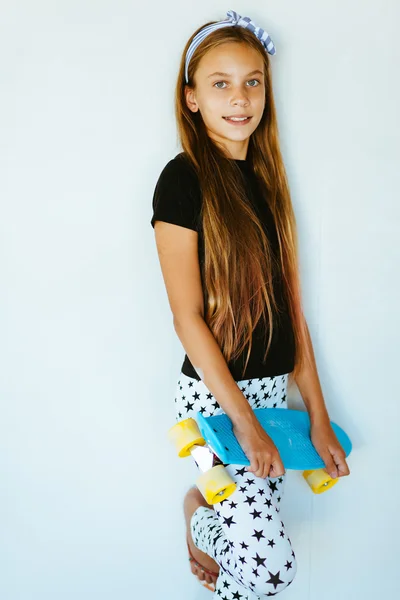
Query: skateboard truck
214,483
204,457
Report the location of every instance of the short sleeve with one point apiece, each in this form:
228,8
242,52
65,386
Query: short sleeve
177,197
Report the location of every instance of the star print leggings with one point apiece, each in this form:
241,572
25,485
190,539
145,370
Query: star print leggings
244,533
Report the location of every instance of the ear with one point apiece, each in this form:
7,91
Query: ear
190,98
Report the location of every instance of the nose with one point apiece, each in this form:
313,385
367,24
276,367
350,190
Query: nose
240,103
239,98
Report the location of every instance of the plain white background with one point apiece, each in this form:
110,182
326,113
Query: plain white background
90,489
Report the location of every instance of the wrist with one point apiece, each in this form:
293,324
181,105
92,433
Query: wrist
320,417
245,422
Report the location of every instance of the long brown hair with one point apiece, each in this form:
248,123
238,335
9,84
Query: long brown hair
240,266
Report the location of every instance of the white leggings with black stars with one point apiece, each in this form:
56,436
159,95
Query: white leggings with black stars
244,533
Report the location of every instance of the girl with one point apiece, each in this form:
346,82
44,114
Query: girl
227,243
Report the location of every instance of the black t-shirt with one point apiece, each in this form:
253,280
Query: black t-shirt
177,200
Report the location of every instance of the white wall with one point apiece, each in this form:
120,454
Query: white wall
91,492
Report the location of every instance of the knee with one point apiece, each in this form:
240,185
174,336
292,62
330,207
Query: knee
270,579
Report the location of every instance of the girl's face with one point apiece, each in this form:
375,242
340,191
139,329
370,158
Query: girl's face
229,82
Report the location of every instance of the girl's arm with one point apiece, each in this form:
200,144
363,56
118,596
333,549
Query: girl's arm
178,254
322,435
310,388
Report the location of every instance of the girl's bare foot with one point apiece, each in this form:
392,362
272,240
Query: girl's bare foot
194,499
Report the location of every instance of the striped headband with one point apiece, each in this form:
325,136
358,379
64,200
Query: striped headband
233,19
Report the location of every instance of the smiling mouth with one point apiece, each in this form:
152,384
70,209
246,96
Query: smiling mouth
237,119
238,122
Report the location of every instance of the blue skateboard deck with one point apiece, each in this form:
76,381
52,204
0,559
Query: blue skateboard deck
289,430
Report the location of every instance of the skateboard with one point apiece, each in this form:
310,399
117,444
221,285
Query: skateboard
212,444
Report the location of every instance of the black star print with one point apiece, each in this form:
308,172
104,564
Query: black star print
229,521
258,534
215,540
226,549
272,485
288,565
250,500
241,471
274,579
259,560
256,514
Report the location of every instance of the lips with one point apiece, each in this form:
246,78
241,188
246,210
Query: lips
238,122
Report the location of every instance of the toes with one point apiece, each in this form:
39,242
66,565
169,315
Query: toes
197,571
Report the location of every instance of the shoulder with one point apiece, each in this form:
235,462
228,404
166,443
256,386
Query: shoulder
177,197
179,171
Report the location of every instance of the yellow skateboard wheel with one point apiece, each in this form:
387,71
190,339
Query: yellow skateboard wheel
319,480
184,435
216,484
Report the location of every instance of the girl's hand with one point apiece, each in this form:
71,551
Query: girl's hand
328,447
260,450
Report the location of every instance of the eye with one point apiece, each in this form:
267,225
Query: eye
221,88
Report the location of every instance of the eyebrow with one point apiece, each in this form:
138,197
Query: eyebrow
220,74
